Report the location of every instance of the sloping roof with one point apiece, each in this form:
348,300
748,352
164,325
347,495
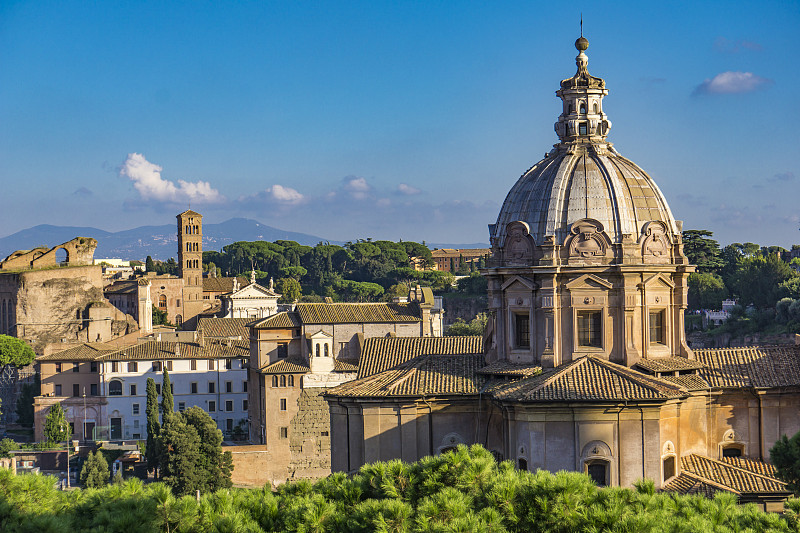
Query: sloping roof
88,351
746,476
589,379
506,368
345,365
123,287
428,375
755,366
668,364
158,350
286,366
362,313
224,327
382,353
690,382
222,284
283,320
250,287
189,212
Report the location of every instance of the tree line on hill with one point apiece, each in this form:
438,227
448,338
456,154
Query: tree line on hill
764,279
464,490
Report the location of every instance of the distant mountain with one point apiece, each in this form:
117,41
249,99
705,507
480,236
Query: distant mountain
160,242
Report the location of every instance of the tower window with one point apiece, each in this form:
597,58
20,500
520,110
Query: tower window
595,107
657,328
589,329
522,330
583,109
583,128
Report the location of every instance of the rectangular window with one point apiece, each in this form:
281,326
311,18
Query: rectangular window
156,366
76,389
522,330
93,366
284,433
135,408
244,405
193,387
132,366
169,365
76,367
211,364
136,423
193,364
229,424
181,406
93,389
58,367
136,436
283,350
229,405
133,389
582,128
228,364
283,404
58,389
657,328
212,388
212,406
229,385
114,366
589,329
244,386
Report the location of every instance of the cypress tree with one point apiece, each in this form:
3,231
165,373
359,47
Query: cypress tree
56,427
94,473
167,403
153,427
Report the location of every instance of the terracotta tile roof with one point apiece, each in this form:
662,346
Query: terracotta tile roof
668,364
286,366
122,287
283,320
342,365
157,350
222,284
88,351
761,367
224,327
686,483
382,353
427,375
505,368
690,382
734,477
364,313
589,379
753,465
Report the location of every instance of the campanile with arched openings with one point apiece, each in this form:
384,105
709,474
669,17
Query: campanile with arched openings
190,259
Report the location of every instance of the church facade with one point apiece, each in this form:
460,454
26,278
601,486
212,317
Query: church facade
584,364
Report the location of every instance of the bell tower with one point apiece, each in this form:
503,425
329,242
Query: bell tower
190,259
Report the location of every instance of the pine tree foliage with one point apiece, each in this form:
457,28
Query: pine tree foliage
461,491
94,473
56,427
153,427
785,455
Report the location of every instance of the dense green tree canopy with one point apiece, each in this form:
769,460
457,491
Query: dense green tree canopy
706,291
702,250
15,352
56,427
785,455
94,473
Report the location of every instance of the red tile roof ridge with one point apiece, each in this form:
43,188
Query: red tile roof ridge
733,466
707,481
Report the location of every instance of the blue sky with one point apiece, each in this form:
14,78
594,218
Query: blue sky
387,120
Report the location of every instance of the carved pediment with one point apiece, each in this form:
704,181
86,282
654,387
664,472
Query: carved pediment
656,243
518,249
587,240
588,281
657,281
519,283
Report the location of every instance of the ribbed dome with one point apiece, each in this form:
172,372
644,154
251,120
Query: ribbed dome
566,187
583,177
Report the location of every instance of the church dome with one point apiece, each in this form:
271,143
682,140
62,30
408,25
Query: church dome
583,177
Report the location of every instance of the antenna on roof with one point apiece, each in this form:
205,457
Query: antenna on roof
581,24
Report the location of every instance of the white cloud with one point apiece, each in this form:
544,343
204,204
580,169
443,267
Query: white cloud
407,189
731,82
147,181
285,195
357,187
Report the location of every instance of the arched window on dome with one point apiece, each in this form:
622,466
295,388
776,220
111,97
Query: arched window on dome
583,108
583,128
596,109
